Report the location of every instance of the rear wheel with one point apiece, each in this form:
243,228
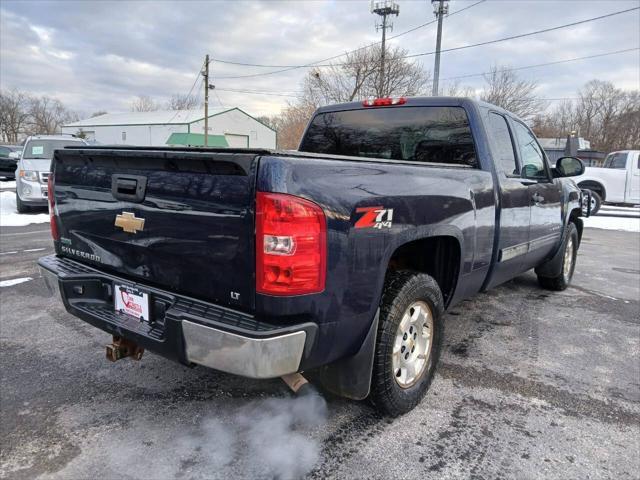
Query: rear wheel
20,206
410,335
569,254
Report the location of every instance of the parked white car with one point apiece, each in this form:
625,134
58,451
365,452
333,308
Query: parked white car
617,181
33,168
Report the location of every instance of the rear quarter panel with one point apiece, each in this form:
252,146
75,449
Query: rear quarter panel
426,201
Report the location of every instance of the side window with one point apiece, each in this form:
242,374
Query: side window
616,160
531,155
505,157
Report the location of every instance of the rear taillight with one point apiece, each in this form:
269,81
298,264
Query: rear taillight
291,245
52,205
384,102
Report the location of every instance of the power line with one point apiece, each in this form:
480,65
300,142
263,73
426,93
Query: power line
452,49
524,67
522,35
258,92
320,63
293,67
190,91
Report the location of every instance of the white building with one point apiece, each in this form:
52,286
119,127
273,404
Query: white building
228,127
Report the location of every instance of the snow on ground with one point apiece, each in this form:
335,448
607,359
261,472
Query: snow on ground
621,211
615,218
14,281
9,216
8,185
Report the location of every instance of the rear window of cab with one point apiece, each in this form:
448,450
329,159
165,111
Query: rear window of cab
418,134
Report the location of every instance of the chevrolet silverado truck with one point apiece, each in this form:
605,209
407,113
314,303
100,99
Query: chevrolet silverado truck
337,260
617,181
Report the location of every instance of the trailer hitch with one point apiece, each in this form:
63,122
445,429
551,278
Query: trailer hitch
122,348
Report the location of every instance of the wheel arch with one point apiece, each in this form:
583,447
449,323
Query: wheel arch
594,186
438,255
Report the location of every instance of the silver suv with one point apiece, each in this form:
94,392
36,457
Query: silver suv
34,166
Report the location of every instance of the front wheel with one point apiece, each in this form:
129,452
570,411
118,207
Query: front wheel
410,332
20,206
569,254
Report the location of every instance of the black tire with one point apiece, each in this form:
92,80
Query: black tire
563,279
596,202
402,289
20,206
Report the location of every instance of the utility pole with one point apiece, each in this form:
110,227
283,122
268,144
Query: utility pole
205,73
384,9
440,9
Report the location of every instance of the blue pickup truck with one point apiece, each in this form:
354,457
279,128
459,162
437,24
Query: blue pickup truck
338,259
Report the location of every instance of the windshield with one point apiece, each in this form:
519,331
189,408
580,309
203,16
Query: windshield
420,134
44,148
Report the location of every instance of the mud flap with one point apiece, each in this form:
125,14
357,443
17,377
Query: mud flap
553,267
351,376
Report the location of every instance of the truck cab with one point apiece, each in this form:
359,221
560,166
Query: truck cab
617,181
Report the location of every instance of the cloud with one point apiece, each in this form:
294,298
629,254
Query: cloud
99,55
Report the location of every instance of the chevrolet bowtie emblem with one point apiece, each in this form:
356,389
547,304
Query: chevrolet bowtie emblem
129,222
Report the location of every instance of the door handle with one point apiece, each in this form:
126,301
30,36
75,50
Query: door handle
129,188
537,198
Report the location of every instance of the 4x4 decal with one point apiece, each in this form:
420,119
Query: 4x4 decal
376,217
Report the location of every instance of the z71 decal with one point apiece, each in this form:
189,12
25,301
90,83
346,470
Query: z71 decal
376,217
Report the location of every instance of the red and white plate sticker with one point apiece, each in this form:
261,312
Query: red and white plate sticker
132,302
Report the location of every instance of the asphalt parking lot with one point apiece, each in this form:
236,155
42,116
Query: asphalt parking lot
532,384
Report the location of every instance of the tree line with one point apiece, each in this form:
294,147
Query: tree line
22,114
606,116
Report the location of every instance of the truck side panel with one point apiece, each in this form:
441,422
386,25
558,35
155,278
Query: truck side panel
359,253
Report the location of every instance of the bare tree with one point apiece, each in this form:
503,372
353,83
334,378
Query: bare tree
603,114
47,115
182,102
290,124
357,77
506,90
455,89
14,114
143,103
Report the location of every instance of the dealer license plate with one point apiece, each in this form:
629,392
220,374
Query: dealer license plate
131,301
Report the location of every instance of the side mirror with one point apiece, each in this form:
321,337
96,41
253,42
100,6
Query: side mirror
569,167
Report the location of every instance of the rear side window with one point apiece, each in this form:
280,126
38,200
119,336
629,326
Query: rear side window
419,134
616,160
505,157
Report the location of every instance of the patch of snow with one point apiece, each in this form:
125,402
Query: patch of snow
635,209
619,211
9,216
14,281
8,185
627,224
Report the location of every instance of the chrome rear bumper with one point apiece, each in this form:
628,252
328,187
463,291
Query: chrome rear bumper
261,353
250,357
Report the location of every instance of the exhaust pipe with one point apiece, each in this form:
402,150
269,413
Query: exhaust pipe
299,385
121,348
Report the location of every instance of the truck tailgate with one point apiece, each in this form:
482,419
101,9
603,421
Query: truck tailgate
197,238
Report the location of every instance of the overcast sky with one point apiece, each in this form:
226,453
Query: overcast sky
98,55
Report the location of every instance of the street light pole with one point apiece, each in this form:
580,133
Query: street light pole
440,9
